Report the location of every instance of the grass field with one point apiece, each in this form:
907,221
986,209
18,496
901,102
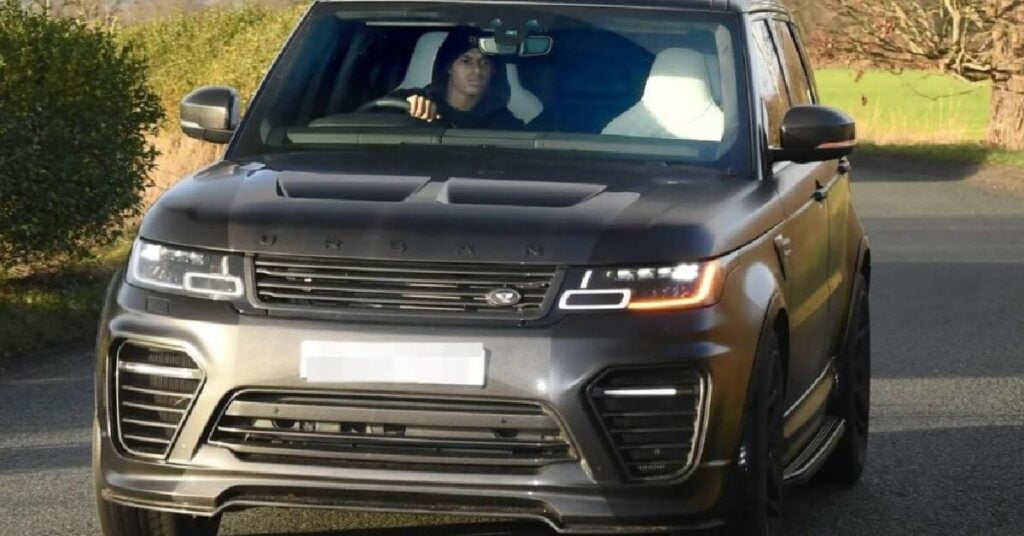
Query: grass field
917,114
910,107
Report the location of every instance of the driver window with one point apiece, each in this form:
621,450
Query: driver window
771,86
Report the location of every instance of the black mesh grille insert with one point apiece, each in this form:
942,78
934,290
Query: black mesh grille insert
410,433
155,388
651,417
328,284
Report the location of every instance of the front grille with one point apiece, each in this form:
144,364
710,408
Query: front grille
155,388
391,432
329,284
652,418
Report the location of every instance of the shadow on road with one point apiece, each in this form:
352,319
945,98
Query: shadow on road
912,164
933,481
43,457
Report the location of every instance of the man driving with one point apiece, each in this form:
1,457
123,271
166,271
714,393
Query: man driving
469,89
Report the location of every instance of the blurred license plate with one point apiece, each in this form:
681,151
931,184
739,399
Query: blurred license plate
376,362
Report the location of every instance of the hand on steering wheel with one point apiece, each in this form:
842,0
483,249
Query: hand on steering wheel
423,108
417,106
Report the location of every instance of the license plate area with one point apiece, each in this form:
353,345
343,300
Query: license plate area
434,363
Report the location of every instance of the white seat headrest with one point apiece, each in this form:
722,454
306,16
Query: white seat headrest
421,65
677,102
522,102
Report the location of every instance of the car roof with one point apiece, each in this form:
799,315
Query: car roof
739,6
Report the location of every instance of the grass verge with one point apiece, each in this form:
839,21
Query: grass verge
910,107
58,307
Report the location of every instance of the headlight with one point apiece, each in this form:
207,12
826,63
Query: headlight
193,272
680,286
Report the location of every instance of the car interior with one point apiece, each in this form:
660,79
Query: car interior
594,82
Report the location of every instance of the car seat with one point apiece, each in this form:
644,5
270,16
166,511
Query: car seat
677,102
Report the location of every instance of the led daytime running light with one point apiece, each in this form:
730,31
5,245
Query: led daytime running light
708,281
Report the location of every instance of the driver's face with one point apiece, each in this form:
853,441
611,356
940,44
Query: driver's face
471,73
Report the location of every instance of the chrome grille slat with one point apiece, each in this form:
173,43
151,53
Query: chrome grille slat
450,300
429,442
146,439
151,424
155,389
403,291
412,287
654,432
394,430
156,392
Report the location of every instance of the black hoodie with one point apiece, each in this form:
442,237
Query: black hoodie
491,112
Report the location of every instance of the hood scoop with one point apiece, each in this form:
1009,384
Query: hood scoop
300,185
460,191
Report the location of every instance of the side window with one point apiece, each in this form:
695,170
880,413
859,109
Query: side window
771,85
796,76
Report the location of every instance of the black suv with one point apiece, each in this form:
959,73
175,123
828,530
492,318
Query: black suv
588,262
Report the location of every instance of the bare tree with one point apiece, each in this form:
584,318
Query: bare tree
972,39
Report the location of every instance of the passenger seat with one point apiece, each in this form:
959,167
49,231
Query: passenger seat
676,104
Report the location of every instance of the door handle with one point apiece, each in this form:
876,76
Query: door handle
783,251
821,192
844,166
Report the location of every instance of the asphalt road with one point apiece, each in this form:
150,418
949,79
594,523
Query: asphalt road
948,423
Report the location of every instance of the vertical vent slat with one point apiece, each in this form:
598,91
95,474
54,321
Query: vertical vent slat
651,417
155,388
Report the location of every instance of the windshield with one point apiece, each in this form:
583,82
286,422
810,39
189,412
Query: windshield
623,83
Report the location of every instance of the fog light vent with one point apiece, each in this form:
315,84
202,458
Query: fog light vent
155,388
652,418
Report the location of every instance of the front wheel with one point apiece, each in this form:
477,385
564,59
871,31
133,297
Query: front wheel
758,510
853,395
118,520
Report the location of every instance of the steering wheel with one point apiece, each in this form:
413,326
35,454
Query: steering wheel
386,103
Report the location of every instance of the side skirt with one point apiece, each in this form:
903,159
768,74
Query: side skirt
814,455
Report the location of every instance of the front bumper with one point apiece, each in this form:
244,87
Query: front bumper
549,365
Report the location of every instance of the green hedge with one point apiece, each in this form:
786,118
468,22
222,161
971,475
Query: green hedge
218,46
74,113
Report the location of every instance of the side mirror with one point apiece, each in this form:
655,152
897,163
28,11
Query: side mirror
812,133
211,114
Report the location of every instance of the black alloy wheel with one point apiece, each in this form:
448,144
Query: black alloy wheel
853,396
760,495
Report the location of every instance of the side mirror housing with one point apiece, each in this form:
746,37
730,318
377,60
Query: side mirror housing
813,133
211,114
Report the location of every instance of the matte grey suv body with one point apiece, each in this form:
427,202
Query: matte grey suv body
604,329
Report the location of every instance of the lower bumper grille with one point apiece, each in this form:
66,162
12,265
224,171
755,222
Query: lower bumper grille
379,431
652,418
155,388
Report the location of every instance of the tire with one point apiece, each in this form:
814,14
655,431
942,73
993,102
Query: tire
853,396
759,497
118,520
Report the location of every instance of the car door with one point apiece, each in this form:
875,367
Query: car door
802,244
836,188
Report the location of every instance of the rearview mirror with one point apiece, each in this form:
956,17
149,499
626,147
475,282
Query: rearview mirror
533,45
813,133
211,114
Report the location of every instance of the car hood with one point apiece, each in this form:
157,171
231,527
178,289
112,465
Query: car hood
532,213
